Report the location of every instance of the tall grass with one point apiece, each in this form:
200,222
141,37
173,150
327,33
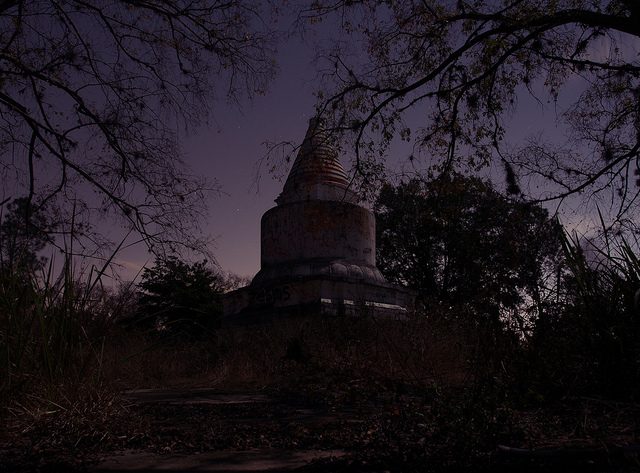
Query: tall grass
591,343
52,326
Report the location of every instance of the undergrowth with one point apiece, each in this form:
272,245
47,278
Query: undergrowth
66,358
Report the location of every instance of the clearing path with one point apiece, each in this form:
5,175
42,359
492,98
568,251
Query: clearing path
204,430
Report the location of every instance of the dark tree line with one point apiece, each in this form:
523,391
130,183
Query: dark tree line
553,315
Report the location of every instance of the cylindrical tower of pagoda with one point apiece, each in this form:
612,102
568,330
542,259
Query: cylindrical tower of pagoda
317,228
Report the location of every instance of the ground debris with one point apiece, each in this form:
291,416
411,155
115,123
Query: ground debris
375,425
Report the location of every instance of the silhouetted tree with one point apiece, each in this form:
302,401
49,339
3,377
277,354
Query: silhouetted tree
23,234
92,93
457,241
180,297
463,65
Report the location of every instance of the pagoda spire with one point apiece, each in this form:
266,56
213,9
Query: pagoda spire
317,173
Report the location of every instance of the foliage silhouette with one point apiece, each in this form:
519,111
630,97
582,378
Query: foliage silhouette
23,234
456,240
92,93
464,65
178,297
589,345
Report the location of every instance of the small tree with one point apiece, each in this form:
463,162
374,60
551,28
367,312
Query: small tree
24,231
180,297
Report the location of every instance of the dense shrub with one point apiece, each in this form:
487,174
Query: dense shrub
179,297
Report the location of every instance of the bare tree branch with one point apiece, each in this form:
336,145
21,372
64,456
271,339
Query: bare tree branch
91,91
465,64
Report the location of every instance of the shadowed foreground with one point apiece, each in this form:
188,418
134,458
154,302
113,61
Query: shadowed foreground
342,395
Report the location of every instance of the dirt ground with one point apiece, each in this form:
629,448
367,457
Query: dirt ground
311,425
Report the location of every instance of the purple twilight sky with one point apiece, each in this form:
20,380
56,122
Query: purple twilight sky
229,148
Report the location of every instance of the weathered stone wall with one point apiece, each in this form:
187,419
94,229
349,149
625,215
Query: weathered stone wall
325,230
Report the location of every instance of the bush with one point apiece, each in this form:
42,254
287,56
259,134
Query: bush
179,297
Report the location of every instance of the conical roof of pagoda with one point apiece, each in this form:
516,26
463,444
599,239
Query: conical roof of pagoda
317,173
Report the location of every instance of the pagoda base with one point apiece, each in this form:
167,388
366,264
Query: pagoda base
317,296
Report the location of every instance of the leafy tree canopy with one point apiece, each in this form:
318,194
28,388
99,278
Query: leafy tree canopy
459,68
456,240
